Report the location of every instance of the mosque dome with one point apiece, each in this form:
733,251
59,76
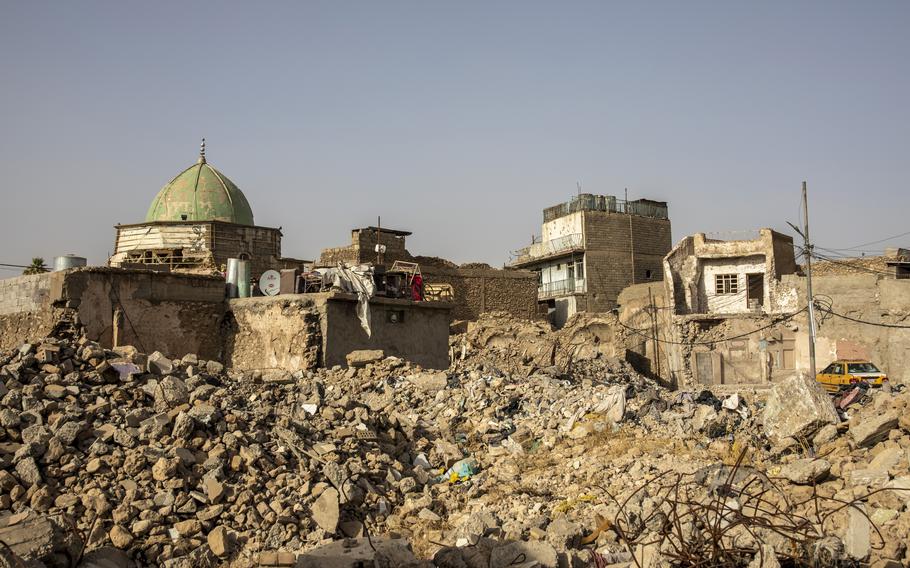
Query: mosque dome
201,193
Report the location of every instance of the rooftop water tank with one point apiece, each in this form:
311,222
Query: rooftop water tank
68,261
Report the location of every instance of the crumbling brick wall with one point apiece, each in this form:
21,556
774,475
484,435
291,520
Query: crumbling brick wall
362,249
26,310
272,333
487,290
173,313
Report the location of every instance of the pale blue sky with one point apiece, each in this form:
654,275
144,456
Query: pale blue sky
459,121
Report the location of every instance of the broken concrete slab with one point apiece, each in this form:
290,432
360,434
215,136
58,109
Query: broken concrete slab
363,357
797,407
806,471
874,429
326,510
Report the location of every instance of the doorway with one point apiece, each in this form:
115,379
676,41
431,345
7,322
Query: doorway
755,290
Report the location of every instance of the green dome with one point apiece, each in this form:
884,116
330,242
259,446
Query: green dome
201,193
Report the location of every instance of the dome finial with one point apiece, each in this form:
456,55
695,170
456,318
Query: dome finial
202,152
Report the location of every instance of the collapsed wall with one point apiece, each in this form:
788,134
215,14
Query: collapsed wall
760,349
27,312
303,332
179,314
173,313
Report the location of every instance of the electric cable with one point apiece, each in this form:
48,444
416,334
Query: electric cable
857,320
649,334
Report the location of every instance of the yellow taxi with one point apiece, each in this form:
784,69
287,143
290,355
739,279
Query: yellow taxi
848,373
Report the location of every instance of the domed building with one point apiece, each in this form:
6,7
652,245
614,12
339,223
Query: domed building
197,221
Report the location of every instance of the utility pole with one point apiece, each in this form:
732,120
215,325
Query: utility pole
807,250
653,310
808,247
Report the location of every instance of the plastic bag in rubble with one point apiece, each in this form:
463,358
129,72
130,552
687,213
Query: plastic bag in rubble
460,471
613,406
735,403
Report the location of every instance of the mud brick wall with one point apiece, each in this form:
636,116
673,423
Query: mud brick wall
610,239
172,313
26,310
262,245
487,290
281,332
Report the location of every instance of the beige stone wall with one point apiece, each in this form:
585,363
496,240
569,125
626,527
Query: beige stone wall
304,331
281,332
26,308
173,313
487,290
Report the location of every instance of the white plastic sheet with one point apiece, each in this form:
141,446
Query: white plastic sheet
353,280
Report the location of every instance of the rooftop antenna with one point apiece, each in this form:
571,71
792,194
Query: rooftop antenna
578,187
202,152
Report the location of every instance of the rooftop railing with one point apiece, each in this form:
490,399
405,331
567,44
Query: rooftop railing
608,203
549,248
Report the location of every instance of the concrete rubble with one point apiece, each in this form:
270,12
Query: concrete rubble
522,453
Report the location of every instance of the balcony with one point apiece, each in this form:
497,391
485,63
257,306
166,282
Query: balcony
561,288
549,249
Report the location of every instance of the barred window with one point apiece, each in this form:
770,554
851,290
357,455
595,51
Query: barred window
726,283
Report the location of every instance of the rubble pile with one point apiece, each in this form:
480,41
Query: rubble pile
180,463
509,458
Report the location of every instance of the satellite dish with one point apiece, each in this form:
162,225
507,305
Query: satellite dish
270,282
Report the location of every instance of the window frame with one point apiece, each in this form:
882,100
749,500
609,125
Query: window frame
726,284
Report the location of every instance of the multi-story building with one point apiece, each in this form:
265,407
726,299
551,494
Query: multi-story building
593,246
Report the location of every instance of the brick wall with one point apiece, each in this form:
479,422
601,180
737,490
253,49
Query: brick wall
262,244
25,293
480,290
26,308
362,250
610,240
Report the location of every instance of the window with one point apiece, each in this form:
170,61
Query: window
647,274
580,269
862,368
726,284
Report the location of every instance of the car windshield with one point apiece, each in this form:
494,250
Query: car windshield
861,368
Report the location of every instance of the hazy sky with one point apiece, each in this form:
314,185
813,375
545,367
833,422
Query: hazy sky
459,121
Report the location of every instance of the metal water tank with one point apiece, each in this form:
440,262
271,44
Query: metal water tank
237,278
68,261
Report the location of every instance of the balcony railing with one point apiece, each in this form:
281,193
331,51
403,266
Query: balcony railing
561,288
549,248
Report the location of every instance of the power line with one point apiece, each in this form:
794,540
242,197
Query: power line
646,333
857,320
876,242
859,268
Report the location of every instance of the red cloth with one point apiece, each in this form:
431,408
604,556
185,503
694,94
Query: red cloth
417,288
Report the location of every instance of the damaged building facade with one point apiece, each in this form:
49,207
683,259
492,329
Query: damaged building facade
717,277
728,288
733,312
593,246
179,314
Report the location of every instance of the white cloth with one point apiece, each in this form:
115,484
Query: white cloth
357,280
